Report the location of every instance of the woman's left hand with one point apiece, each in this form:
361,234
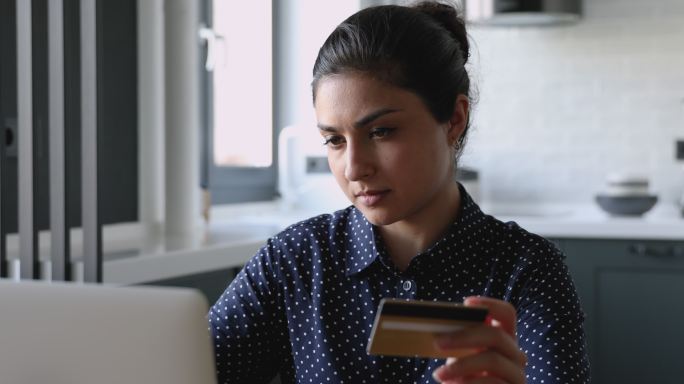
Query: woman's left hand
498,358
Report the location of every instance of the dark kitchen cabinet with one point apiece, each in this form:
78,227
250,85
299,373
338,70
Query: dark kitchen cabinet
631,292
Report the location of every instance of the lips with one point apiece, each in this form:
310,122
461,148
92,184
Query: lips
371,197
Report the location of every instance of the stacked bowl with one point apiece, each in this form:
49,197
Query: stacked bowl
626,195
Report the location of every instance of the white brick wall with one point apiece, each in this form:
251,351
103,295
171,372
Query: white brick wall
562,107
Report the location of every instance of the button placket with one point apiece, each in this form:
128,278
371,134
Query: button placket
407,285
406,289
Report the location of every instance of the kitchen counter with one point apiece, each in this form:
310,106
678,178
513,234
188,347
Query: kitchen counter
588,221
236,233
136,254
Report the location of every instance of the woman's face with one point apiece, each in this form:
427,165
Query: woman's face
389,155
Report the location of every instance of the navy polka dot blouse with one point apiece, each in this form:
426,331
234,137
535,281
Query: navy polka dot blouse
304,305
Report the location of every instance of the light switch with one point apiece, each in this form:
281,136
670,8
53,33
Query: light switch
317,164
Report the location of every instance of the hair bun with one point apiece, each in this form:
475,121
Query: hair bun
448,17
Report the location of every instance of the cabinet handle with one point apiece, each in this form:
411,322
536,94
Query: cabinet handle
659,253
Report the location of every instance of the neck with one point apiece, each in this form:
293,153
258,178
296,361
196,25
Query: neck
407,238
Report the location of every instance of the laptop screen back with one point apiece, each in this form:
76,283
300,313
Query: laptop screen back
76,334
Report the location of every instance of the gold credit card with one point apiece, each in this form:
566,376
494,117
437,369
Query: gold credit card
409,327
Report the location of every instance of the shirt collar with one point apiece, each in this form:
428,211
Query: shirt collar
468,224
364,246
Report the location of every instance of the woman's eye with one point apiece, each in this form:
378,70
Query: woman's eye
381,132
333,141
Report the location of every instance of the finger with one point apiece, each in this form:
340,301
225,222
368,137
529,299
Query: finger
483,337
499,310
449,361
480,379
488,364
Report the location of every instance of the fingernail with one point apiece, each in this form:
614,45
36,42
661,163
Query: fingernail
436,374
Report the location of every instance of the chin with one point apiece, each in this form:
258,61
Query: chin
377,217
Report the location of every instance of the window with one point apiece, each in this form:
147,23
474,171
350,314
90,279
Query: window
239,151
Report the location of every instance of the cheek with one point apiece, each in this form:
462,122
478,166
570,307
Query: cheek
407,158
424,165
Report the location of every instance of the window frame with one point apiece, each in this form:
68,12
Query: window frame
233,184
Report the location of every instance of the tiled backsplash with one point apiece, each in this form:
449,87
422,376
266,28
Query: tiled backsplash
561,107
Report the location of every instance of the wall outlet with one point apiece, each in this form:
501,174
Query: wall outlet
317,164
679,151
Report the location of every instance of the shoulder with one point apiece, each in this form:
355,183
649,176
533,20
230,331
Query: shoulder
523,258
310,239
538,272
320,227
527,246
296,257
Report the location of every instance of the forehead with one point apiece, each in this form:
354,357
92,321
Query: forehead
351,87
349,96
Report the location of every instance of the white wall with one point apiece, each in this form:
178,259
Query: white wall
561,107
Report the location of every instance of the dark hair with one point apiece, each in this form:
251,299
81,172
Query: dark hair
421,48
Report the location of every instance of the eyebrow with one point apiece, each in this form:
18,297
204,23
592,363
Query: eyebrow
362,121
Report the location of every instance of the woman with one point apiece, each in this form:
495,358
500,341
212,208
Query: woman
391,96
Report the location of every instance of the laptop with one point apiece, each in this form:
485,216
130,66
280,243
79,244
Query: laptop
66,333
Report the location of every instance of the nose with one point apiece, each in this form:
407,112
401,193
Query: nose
359,162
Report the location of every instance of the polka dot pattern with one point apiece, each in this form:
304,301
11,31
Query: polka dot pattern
304,305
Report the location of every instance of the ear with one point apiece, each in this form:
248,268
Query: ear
459,119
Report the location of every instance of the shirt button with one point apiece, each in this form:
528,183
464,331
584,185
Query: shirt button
407,285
